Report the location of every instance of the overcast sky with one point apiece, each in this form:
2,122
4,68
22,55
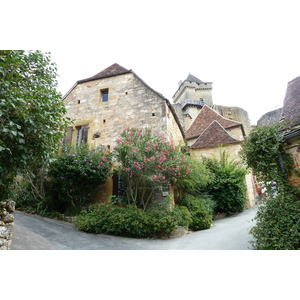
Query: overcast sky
250,50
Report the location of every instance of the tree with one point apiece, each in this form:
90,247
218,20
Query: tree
148,161
264,152
31,113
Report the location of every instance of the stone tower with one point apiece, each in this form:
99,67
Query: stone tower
190,97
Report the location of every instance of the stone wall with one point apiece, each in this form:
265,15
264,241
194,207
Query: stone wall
6,223
195,91
293,149
131,103
270,118
235,114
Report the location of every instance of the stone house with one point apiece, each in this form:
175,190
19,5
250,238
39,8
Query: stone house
112,100
208,126
116,98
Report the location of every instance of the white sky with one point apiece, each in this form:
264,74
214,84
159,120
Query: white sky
248,49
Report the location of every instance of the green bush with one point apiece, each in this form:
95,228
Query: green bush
131,221
277,220
228,189
26,202
197,179
76,174
182,216
264,152
277,223
201,210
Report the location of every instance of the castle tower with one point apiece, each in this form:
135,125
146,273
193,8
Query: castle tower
193,88
190,97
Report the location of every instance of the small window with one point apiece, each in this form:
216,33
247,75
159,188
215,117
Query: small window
153,114
82,134
104,95
78,101
108,147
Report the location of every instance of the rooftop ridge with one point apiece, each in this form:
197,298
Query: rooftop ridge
215,134
200,124
113,70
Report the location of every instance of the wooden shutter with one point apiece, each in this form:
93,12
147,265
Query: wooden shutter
68,136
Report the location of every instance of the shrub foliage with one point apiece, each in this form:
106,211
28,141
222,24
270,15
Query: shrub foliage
131,221
228,187
277,220
201,210
277,223
76,174
264,152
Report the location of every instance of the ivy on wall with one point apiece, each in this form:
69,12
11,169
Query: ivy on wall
264,152
277,220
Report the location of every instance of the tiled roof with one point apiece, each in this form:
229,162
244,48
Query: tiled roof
205,117
291,105
113,70
193,78
212,136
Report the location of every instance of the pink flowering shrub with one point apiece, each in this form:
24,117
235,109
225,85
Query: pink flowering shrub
148,161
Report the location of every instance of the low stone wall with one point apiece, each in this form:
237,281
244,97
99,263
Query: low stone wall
6,223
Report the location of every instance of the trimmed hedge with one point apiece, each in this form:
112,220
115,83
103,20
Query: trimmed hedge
130,221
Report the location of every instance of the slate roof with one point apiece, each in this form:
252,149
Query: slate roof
205,117
291,105
193,78
113,70
214,135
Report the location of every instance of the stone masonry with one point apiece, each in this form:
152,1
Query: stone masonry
104,105
6,223
131,103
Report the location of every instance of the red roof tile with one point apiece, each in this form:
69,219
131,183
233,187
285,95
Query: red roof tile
205,117
212,136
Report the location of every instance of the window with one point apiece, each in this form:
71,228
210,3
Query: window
104,95
82,134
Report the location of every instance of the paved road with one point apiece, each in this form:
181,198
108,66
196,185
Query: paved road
37,233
